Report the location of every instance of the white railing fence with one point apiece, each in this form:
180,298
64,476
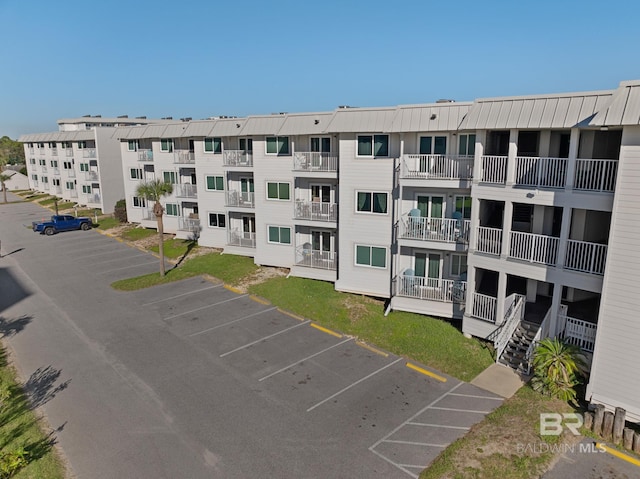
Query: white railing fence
577,332
244,199
314,161
513,315
543,332
189,224
431,289
437,167
186,190
484,307
316,211
533,248
237,158
586,257
541,172
435,229
316,259
489,240
145,155
596,175
494,169
242,238
184,156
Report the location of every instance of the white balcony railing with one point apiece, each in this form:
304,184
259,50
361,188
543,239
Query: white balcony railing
484,307
586,257
437,167
577,332
185,190
446,230
89,153
242,199
534,248
92,198
71,173
315,211
237,158
242,238
184,157
316,259
145,155
43,168
494,169
489,240
91,175
55,170
314,161
56,189
431,289
514,314
596,175
189,224
541,172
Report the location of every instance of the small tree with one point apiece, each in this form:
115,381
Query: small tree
557,369
4,178
155,190
120,211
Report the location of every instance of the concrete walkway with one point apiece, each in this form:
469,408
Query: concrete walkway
499,379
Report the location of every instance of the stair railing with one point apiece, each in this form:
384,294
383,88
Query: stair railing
543,332
513,316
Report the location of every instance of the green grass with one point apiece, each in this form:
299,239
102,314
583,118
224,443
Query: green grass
229,268
176,248
37,197
135,234
89,212
427,340
20,427
66,205
107,223
48,201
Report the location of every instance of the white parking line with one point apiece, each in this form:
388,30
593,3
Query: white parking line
354,384
204,307
411,443
183,294
119,258
460,410
474,396
231,322
462,428
305,359
264,339
126,267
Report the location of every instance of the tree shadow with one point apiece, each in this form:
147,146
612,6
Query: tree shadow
14,251
40,387
193,242
11,327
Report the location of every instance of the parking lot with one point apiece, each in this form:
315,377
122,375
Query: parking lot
210,382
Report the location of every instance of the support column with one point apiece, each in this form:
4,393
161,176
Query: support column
511,160
502,290
507,217
555,308
481,138
574,141
565,230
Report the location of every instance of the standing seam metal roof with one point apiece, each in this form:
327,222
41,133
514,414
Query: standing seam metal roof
361,120
624,108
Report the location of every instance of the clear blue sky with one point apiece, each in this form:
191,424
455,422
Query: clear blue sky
197,58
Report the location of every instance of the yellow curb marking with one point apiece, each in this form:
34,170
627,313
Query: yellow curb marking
325,330
259,300
232,289
428,373
372,349
618,454
299,318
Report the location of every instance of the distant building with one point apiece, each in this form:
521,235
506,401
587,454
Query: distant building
18,181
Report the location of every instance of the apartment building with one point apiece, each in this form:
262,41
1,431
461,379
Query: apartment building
513,215
80,162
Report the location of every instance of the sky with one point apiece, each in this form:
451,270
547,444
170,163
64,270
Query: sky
206,58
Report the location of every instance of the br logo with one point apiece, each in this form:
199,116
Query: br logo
551,424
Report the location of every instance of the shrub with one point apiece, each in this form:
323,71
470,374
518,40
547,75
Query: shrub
120,211
12,462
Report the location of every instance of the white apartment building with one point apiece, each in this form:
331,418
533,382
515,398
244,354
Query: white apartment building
80,162
513,215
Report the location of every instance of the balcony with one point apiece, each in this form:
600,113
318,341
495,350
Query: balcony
241,199
447,230
489,240
586,257
577,332
484,307
305,256
71,173
316,211
93,198
145,155
184,157
191,225
533,248
437,167
73,193
89,153
244,239
596,175
91,175
237,158
55,170
56,189
315,161
494,170
185,190
541,172
43,168
431,289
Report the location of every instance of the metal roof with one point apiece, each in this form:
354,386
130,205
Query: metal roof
263,125
199,129
151,131
539,111
99,119
305,123
58,136
431,117
174,130
228,127
624,108
356,120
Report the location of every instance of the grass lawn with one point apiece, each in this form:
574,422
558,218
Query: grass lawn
491,449
37,197
48,201
107,223
135,234
424,339
229,268
176,248
66,205
20,427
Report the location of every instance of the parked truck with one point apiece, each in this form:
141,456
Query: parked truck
59,223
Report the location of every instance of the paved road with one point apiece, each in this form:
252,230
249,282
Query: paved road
193,380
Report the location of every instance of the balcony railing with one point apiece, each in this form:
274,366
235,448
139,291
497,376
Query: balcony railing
89,153
494,169
69,152
437,167
596,175
316,211
91,175
586,257
43,168
242,199
56,189
445,230
71,173
93,198
237,158
189,224
541,172
534,248
184,157
316,259
431,289
145,155
484,307
73,193
577,332
489,240
314,161
242,238
185,190
55,170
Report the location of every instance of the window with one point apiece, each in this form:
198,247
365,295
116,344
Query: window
321,144
171,209
86,189
40,145
169,177
431,206
84,166
45,179
373,145
55,182
372,256
463,206
70,185
52,144
54,163
369,202
166,146
245,144
132,145
42,162
277,145
67,165
135,173
139,202
217,220
213,145
34,177
67,144
215,183
279,235
32,161
278,191
458,264
433,145
82,144
467,145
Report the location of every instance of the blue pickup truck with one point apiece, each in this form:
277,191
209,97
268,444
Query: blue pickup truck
61,223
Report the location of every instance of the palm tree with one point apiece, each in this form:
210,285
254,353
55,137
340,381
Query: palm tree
557,369
155,190
3,179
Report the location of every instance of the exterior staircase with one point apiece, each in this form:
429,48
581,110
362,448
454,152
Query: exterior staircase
514,354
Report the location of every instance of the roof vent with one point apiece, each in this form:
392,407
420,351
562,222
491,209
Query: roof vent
445,100
86,116
186,119
167,118
344,107
141,117
97,116
123,116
